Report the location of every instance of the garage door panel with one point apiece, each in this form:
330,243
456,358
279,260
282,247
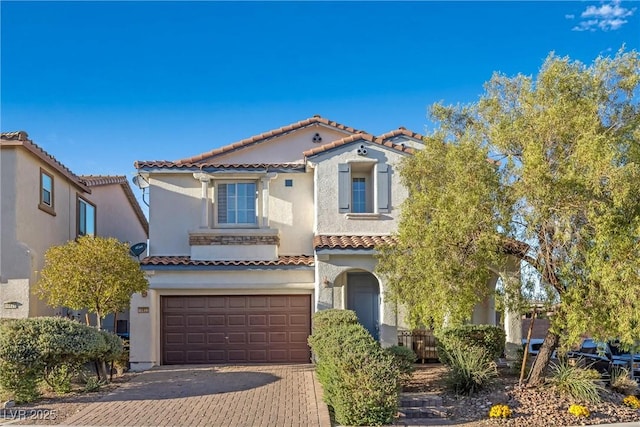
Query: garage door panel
237,302
258,302
298,337
236,320
299,320
216,320
257,337
236,329
170,338
257,319
195,320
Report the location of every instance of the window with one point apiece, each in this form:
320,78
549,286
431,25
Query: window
237,203
86,218
46,192
359,195
363,187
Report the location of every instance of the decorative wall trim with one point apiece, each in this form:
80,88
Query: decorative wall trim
226,239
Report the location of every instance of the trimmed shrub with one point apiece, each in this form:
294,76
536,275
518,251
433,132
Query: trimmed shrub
470,369
49,349
487,337
405,358
579,383
361,381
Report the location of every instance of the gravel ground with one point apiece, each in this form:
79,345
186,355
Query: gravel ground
531,407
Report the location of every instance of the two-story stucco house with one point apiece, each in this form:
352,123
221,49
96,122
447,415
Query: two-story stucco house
248,240
42,204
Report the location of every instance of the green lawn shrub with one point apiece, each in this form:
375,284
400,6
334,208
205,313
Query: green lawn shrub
405,359
487,337
470,369
361,381
49,349
580,383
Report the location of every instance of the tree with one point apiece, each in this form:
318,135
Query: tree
545,170
92,273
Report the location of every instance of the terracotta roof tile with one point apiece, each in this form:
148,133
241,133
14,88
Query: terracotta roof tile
21,139
300,260
165,164
100,180
350,242
381,140
266,135
401,131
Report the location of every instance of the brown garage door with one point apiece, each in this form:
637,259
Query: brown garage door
236,329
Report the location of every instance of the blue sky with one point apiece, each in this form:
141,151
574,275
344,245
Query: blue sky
102,84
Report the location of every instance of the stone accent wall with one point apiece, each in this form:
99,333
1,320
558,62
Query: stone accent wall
233,240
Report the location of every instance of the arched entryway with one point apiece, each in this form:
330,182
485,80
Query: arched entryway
363,297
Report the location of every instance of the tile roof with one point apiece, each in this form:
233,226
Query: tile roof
326,241
300,260
268,135
100,180
21,139
401,131
380,140
165,164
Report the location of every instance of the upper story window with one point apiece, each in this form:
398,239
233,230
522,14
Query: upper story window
86,218
236,203
47,198
363,187
359,195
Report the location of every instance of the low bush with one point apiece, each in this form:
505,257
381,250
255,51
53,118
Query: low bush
631,402
361,381
487,337
579,411
470,369
621,382
579,383
49,349
404,358
499,411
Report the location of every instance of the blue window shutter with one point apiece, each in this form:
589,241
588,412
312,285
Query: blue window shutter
383,187
344,187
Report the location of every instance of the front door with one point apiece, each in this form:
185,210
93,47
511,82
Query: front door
363,297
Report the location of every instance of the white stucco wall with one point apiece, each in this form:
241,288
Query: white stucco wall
286,148
334,269
115,217
27,232
174,209
328,219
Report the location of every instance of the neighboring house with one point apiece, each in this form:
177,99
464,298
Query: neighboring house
44,204
248,240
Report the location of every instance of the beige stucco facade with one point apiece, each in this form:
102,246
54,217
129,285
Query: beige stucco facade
28,230
300,197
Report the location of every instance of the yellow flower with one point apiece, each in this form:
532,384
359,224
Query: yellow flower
499,411
579,411
632,401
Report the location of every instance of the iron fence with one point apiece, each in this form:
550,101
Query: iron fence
422,342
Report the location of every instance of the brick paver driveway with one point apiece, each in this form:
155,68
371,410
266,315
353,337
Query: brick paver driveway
213,395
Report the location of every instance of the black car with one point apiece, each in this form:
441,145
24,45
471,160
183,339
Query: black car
605,357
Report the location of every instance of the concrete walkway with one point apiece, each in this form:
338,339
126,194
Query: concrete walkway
213,395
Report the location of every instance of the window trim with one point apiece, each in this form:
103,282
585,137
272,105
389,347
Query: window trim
216,205
79,199
48,208
378,186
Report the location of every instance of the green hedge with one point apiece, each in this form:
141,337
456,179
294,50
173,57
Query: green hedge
49,348
361,381
487,337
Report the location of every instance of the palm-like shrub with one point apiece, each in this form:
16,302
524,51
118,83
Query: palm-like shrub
579,383
470,369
